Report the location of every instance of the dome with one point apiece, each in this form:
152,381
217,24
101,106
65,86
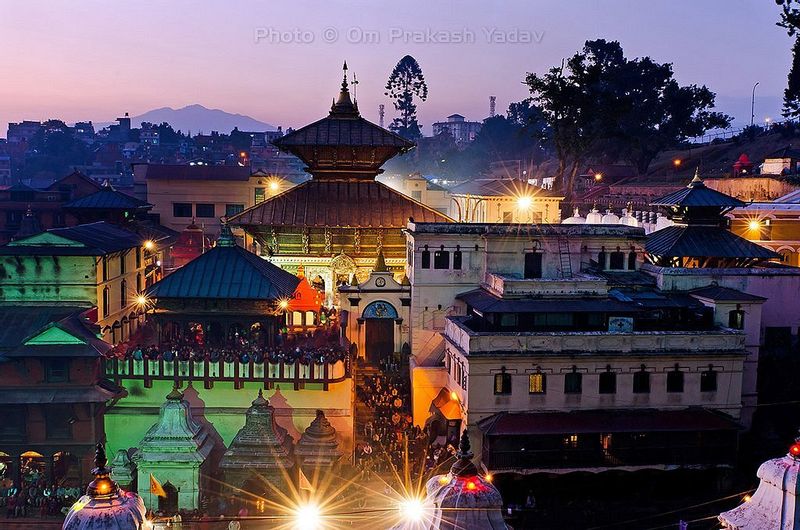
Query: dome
609,218
594,217
575,219
105,506
462,499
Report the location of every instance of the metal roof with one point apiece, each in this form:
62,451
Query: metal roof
604,421
338,203
725,294
486,302
698,194
84,394
227,272
21,322
108,199
703,241
98,238
332,131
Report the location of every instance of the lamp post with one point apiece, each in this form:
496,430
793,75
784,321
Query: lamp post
753,105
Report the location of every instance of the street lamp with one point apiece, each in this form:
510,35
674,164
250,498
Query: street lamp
753,105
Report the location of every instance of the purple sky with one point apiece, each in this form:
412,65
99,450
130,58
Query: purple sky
97,59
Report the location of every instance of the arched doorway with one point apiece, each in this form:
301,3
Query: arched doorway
379,317
169,504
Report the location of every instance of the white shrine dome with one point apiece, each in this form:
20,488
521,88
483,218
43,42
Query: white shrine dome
575,219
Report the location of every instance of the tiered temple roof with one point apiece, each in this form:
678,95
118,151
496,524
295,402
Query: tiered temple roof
261,446
318,445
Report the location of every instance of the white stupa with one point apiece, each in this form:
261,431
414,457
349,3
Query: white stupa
575,219
610,218
774,505
594,217
628,218
105,506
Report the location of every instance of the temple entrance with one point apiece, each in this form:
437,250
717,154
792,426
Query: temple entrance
169,504
379,343
380,319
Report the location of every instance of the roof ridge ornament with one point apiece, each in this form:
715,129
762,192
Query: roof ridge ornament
696,180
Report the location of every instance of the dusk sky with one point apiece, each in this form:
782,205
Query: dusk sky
95,60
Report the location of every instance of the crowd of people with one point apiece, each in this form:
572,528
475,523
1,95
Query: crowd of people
37,499
390,439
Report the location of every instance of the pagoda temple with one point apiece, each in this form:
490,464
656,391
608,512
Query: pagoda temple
174,451
336,222
260,453
699,237
318,446
105,506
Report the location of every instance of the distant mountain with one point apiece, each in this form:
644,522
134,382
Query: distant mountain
197,118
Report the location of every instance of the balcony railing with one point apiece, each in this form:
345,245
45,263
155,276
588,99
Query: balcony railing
210,372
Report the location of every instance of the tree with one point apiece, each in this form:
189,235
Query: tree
405,82
599,104
790,15
790,19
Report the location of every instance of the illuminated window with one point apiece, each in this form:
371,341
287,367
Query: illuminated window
641,382
502,383
537,384
571,441
708,380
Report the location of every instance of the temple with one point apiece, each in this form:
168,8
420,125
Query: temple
318,448
260,454
175,450
335,223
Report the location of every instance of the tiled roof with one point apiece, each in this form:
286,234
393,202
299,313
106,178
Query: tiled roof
108,199
698,194
338,203
703,241
197,172
227,272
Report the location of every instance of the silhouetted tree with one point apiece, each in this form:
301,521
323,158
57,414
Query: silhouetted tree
405,82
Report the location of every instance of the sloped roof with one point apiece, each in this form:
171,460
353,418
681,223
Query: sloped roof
786,152
108,198
501,188
23,323
338,203
725,294
699,195
332,131
227,272
95,239
703,241
486,302
197,172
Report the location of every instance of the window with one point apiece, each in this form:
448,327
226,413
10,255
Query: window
12,422
123,294
616,261
105,268
58,421
59,219
105,302
56,371
233,209
573,382
632,261
441,259
537,384
736,319
675,381
138,282
416,195
502,383
608,382
204,210
601,259
571,441
457,258
641,381
181,209
138,257
533,265
122,263
708,380
426,258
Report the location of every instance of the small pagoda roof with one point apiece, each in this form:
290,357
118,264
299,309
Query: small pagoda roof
342,131
697,194
318,444
107,198
339,203
92,239
227,272
703,241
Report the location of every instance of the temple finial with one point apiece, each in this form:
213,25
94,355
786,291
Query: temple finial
100,459
464,449
380,263
697,175
344,76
